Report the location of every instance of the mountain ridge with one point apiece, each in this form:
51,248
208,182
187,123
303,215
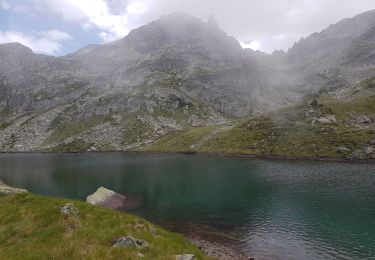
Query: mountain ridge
175,73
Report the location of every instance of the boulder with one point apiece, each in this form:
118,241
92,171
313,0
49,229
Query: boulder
343,150
325,120
113,200
185,257
369,150
7,190
130,241
100,196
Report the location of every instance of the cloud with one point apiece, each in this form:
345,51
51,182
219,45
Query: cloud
263,22
45,42
267,25
109,17
4,5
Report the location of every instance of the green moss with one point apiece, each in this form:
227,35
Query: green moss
32,227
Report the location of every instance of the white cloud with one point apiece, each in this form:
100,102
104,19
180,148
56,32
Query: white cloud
96,14
46,42
261,21
255,45
4,5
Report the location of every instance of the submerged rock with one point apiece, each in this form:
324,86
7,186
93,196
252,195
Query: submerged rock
7,190
130,241
185,257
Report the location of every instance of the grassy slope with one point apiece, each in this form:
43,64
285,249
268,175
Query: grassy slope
32,227
286,132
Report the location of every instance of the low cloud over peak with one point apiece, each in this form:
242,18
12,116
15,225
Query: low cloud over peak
265,25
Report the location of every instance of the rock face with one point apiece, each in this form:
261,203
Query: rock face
7,190
130,241
171,74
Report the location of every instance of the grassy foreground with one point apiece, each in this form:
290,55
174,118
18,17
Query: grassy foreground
32,227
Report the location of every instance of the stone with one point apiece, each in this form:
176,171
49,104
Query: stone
185,257
343,150
100,196
369,150
130,241
327,119
7,190
364,120
69,210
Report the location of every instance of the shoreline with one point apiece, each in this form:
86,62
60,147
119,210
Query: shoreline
228,155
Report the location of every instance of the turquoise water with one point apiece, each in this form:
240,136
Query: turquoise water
272,209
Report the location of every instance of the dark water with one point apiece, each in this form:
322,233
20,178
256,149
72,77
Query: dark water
273,209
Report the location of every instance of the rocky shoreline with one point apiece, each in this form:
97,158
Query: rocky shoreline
211,246
7,190
217,249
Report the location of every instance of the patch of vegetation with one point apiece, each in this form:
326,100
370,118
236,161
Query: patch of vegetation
297,141
358,107
180,141
32,227
4,125
134,130
71,128
73,147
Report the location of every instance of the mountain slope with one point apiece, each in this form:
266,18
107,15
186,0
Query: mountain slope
173,74
340,124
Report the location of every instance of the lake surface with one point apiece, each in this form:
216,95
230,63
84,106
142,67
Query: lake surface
272,209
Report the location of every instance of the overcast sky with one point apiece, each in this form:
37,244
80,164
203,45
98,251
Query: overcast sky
58,27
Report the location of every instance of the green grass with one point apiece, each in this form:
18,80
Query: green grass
32,227
73,147
359,107
71,128
180,141
283,133
134,130
301,141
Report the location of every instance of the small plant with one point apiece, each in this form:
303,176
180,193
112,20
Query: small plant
314,103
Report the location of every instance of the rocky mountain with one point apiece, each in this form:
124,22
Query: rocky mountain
173,74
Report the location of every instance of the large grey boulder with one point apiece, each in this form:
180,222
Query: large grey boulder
100,196
111,200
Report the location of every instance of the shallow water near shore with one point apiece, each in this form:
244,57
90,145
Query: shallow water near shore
270,209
